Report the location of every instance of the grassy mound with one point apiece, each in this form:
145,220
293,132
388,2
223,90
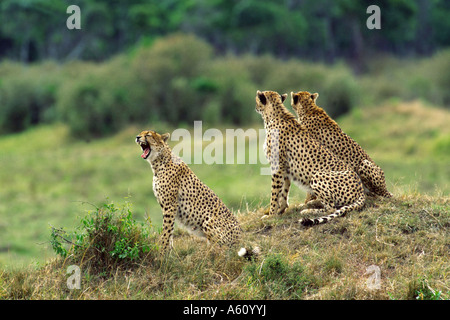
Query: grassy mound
394,249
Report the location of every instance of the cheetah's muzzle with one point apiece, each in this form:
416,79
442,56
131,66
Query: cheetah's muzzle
145,148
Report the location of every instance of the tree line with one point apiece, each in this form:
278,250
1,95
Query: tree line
327,30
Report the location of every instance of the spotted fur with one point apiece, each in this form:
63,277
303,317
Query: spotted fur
296,157
326,131
183,197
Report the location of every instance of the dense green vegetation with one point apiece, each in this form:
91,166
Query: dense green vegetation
35,30
178,79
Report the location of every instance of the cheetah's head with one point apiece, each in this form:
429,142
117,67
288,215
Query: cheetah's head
151,143
265,100
302,100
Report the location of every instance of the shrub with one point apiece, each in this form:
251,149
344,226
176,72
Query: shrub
341,92
277,279
426,78
108,238
27,96
171,74
100,101
234,98
162,82
177,79
336,85
436,77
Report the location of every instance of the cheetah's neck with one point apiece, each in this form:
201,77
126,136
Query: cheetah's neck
165,158
278,115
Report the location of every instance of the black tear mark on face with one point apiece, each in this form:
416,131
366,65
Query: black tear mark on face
262,98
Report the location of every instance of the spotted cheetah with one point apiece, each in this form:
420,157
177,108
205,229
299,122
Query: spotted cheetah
327,132
183,197
295,156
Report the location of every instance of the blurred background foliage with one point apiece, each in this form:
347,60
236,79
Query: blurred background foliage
178,61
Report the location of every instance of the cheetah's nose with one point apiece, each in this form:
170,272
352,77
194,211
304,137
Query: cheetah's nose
137,138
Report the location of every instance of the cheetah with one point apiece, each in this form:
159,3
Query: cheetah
327,132
184,198
295,156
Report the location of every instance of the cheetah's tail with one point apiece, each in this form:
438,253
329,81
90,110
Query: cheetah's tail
307,222
358,205
249,254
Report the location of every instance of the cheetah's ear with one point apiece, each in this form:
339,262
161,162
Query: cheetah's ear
261,97
314,96
165,137
294,98
283,97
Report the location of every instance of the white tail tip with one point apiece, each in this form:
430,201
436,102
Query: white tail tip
242,252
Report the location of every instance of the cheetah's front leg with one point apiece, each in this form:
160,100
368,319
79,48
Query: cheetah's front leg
167,232
169,208
277,187
284,195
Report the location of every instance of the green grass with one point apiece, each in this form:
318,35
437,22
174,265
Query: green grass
50,179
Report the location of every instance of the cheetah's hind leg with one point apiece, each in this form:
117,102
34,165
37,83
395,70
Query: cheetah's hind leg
357,205
334,188
372,176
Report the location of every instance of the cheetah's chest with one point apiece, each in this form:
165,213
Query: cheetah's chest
185,213
156,188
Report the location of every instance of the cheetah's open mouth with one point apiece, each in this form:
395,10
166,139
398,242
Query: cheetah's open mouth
146,149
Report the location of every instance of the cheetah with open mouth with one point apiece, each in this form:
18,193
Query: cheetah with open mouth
183,197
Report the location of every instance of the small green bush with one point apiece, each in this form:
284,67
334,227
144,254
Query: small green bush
277,279
420,290
108,238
